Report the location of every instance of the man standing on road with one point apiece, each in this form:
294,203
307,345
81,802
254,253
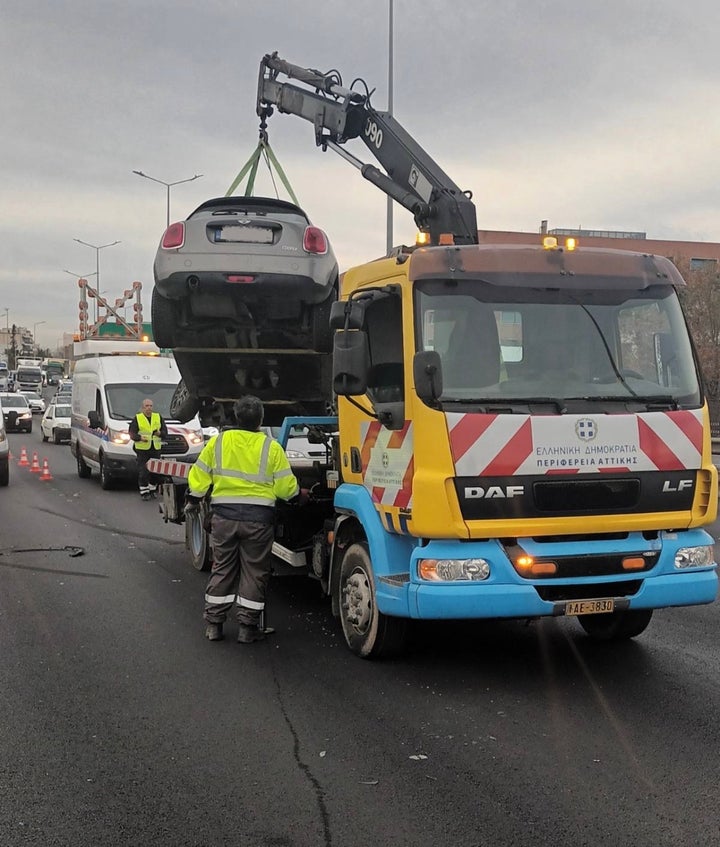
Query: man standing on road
147,429
248,472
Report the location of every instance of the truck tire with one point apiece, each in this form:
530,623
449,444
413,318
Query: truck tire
163,320
616,626
184,405
197,542
368,632
83,471
322,335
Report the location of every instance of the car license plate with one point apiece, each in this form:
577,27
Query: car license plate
589,607
244,234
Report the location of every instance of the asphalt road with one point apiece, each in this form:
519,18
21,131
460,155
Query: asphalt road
121,725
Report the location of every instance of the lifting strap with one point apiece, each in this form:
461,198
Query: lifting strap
250,168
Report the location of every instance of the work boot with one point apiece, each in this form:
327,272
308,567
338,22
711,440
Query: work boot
247,634
213,632
146,495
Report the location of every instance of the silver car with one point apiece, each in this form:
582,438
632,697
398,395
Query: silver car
35,401
244,272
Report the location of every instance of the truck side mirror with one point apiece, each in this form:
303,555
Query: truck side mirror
427,375
350,363
354,310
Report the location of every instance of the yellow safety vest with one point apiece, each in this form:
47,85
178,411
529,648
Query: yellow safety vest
146,428
243,467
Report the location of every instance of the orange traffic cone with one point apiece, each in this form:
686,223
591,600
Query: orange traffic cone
23,463
35,466
45,471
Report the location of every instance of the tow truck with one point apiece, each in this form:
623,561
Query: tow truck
521,431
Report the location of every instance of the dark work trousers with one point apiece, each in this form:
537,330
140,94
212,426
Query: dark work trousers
145,478
240,571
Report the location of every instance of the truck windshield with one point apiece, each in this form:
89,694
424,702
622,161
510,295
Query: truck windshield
527,345
125,400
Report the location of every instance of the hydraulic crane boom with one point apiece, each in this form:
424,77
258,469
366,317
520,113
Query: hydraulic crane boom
412,177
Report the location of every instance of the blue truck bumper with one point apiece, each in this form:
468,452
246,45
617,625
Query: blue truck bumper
507,594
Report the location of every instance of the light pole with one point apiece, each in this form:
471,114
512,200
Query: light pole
168,186
389,220
7,331
97,249
35,326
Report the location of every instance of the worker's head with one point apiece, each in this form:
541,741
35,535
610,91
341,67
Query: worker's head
147,406
249,412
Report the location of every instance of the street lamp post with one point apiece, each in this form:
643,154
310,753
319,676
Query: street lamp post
168,186
35,326
97,249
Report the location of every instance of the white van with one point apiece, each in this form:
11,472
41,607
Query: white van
107,393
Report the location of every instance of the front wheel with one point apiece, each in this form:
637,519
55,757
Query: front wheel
197,541
368,632
83,471
106,480
616,626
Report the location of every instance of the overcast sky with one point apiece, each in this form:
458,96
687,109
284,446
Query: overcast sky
599,115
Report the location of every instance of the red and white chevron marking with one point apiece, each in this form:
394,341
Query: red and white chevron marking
497,445
388,464
167,468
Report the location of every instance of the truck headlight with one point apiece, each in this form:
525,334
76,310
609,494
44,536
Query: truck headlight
450,570
695,557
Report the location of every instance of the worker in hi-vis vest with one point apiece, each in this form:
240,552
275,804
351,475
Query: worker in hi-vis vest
248,471
147,429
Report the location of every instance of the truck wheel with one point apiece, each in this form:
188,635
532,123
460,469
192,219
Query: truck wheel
84,472
322,335
368,632
197,542
184,405
616,626
163,320
106,480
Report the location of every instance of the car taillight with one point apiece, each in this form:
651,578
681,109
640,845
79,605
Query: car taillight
240,278
174,236
314,241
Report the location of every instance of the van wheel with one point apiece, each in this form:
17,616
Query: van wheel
197,541
368,632
4,473
83,471
163,320
616,626
106,480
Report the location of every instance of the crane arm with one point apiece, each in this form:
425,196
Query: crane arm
339,114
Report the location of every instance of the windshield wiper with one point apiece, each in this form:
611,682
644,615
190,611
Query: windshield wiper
508,403
663,400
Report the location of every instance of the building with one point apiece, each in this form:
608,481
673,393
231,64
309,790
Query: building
699,254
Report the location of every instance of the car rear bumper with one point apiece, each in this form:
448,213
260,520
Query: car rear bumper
301,286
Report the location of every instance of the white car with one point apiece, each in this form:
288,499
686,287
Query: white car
35,401
55,424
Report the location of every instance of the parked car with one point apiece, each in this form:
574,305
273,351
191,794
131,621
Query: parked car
4,455
55,423
35,401
244,272
16,412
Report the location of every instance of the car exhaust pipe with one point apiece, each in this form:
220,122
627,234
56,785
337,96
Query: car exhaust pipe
193,282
